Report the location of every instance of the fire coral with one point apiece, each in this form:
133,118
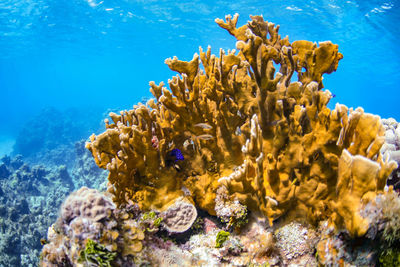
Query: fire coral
249,132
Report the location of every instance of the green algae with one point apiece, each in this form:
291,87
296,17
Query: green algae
222,236
97,254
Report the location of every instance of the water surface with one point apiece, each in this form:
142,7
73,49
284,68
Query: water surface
102,54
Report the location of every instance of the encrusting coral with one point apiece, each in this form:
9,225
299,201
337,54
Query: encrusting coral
271,143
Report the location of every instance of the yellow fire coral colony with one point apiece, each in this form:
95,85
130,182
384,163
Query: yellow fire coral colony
250,131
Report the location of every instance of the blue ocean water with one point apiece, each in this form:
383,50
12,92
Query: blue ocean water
92,54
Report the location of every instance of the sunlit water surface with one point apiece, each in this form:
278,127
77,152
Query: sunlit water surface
102,54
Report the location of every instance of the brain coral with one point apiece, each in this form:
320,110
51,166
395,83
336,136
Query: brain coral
86,203
271,142
90,216
179,217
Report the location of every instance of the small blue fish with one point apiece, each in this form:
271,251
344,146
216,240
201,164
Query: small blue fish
177,153
173,156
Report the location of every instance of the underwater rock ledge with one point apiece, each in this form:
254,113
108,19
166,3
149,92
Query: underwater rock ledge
237,164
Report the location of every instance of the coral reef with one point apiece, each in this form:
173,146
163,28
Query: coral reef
380,243
231,212
389,217
29,199
293,240
391,149
49,136
272,144
30,196
335,249
128,237
237,165
84,171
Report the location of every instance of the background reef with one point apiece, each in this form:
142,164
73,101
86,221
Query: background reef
34,182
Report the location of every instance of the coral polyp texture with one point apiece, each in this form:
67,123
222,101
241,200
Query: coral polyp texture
250,132
91,231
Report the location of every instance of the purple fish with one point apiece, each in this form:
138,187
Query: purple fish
173,156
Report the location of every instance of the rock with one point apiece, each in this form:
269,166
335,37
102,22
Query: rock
209,225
